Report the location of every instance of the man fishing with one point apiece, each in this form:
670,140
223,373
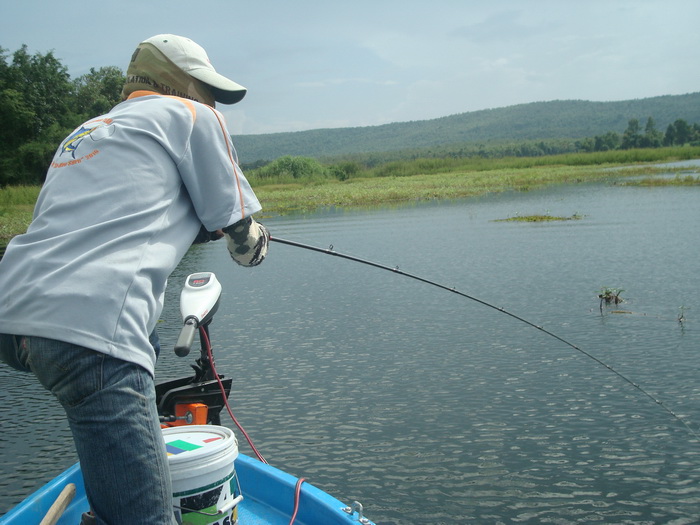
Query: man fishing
125,197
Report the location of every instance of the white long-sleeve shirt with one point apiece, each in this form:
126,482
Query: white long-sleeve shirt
123,200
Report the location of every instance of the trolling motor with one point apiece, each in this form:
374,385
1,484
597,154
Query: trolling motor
199,301
195,400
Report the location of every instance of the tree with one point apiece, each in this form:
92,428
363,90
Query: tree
588,144
670,135
44,84
684,133
35,92
16,129
607,142
289,167
652,137
631,137
40,105
97,91
16,117
679,133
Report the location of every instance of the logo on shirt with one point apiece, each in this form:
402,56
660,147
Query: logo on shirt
72,143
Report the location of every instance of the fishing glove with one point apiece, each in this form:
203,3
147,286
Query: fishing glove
247,241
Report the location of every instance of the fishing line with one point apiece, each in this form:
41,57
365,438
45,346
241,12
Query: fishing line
396,269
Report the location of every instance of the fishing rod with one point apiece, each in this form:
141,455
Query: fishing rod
397,270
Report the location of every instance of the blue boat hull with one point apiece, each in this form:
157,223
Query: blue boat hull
268,499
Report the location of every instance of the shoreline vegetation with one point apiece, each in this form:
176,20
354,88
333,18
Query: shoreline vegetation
540,218
314,186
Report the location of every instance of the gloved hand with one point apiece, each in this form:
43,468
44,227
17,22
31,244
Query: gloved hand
206,236
247,241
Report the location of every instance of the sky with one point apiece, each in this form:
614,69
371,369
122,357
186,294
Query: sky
313,64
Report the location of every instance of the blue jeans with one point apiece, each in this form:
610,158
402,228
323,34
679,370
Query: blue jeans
111,409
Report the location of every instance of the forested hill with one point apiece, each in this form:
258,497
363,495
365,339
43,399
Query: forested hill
559,119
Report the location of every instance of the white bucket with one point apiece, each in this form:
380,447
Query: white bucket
205,486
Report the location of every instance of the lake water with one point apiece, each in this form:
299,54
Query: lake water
430,408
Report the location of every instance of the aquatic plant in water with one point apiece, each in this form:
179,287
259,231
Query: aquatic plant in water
540,218
610,296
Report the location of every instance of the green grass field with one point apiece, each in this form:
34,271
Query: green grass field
420,180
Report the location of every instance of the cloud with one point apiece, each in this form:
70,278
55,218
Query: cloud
314,63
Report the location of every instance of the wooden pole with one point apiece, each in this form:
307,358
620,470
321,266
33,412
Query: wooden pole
59,506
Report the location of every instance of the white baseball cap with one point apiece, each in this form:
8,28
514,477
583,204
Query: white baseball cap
191,58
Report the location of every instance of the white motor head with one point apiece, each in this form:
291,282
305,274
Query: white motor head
199,298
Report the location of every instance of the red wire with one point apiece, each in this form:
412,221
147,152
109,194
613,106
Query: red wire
297,498
203,333
297,488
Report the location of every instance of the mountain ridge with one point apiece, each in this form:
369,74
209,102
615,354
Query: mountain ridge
555,119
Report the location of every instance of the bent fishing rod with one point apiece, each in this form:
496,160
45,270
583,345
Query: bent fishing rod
397,270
